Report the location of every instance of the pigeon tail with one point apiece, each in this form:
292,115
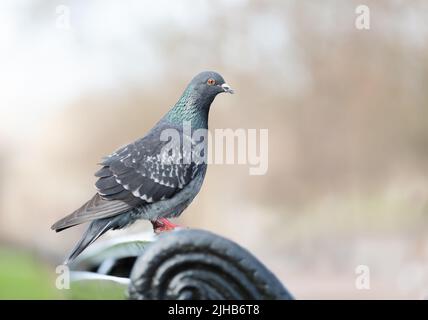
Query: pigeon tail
95,230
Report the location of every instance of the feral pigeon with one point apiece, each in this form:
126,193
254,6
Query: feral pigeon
152,178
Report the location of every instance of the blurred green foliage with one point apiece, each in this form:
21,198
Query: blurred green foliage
24,277
98,289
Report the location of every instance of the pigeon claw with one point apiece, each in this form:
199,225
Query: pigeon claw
162,225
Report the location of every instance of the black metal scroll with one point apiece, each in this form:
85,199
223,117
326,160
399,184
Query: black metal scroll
196,264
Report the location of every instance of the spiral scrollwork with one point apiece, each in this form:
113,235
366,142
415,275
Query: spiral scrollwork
196,264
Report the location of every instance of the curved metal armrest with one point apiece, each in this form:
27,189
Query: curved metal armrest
196,264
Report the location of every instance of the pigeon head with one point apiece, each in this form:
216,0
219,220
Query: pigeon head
195,102
209,84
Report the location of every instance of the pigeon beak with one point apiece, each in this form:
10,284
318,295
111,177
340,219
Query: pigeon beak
227,88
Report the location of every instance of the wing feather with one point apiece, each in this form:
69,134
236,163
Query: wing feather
135,175
95,208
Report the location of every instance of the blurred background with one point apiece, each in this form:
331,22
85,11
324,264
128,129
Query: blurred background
346,110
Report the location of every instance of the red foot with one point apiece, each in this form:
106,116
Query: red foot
162,225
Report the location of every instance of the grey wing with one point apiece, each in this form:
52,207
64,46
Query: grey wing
96,208
133,176
142,173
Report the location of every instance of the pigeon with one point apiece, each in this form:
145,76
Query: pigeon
155,177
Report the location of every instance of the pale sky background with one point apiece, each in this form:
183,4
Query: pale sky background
44,66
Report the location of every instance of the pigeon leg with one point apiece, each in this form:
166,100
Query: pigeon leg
163,224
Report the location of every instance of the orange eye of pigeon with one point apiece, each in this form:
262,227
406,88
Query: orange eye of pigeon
211,81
